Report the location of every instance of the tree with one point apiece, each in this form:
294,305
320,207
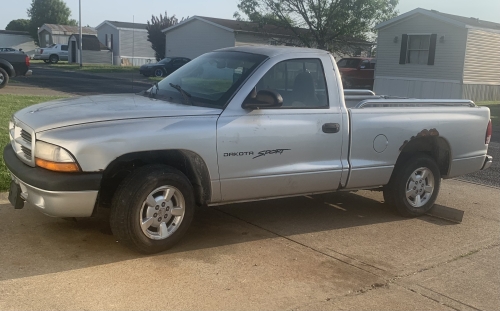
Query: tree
48,12
18,25
325,24
155,34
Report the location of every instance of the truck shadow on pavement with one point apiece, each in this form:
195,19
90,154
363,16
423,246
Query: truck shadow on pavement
34,244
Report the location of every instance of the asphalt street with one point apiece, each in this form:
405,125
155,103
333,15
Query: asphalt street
81,83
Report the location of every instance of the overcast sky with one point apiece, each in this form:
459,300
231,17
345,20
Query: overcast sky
96,11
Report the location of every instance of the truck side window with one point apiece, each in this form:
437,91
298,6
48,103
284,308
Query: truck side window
64,47
301,83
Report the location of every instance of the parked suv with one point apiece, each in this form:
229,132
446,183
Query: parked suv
357,72
52,54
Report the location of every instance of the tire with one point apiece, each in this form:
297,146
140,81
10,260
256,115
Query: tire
407,179
130,208
159,73
4,78
53,59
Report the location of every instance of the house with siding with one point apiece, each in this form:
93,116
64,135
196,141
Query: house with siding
430,54
17,40
199,34
50,34
128,41
93,51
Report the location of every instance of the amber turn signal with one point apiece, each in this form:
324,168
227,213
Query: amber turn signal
57,166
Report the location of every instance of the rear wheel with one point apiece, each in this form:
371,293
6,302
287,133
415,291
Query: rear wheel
4,78
159,72
53,59
152,209
414,186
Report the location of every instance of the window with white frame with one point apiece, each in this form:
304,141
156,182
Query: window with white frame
418,49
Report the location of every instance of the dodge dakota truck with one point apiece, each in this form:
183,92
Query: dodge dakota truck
234,125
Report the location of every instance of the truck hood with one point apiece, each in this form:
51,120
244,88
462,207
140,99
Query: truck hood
99,108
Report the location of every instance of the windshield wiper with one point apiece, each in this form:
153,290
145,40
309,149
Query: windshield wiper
186,97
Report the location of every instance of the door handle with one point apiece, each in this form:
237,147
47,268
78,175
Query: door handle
331,128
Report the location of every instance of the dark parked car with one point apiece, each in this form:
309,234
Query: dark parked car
13,64
357,72
164,67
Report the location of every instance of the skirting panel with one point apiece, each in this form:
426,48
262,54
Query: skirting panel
421,88
481,92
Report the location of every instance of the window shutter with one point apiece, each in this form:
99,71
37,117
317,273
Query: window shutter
404,48
106,40
432,50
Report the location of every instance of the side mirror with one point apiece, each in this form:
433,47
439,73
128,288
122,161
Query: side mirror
262,99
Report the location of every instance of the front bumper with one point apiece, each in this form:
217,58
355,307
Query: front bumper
487,162
58,203
54,194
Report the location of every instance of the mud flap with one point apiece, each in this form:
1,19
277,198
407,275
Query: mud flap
15,195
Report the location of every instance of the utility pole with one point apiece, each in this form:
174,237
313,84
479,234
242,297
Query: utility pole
81,43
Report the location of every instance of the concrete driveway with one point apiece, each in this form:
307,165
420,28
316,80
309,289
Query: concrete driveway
342,251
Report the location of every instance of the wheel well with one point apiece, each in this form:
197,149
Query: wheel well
54,55
7,69
188,162
434,146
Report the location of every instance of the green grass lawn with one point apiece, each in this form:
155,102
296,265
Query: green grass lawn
494,110
8,105
91,67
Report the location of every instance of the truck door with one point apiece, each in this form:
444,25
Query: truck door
295,149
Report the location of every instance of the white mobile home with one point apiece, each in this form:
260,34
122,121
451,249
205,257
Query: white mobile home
17,40
429,54
199,34
128,41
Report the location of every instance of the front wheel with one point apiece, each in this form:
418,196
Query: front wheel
159,73
53,59
152,209
4,78
414,186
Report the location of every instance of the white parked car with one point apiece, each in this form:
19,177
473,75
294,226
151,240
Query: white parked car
52,54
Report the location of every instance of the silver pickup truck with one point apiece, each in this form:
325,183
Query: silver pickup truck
238,124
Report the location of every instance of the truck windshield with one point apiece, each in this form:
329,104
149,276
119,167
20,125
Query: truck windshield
209,80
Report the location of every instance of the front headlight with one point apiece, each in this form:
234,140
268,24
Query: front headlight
54,158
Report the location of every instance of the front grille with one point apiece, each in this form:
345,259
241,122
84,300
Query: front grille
26,136
26,152
22,142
